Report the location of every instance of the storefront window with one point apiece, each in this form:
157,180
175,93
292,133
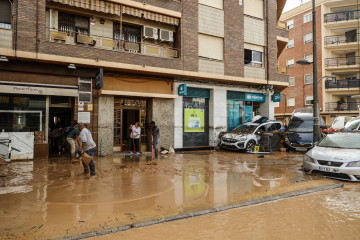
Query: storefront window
236,113
21,113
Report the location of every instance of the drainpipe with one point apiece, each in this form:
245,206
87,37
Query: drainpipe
37,29
16,27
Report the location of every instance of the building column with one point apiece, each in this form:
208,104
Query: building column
267,108
179,120
106,124
217,115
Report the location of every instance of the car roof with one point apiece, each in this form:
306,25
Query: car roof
303,110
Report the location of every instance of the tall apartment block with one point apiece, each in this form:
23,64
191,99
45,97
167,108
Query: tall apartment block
196,68
337,26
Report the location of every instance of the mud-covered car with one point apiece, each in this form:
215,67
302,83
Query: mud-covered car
336,156
247,135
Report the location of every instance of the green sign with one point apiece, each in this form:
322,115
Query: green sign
194,120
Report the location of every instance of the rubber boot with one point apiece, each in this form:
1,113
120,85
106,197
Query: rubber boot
92,168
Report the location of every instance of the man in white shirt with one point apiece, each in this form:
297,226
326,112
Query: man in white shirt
87,145
135,138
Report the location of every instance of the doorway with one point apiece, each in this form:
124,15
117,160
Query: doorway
130,117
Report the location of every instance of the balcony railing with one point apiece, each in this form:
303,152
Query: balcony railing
341,16
347,83
101,42
341,39
342,61
340,106
282,70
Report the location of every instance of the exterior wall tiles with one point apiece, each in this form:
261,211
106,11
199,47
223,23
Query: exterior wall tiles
254,72
211,66
106,123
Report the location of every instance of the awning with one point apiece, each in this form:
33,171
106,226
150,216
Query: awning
150,15
95,5
138,94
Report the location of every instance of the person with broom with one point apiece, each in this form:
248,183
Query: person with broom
135,138
155,132
88,146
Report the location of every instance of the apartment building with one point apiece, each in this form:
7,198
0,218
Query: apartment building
196,68
337,26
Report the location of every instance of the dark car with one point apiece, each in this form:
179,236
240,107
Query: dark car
300,130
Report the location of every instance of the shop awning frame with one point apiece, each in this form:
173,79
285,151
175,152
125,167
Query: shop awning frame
95,5
139,94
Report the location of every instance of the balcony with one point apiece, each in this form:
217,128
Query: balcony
101,42
342,107
341,16
348,83
342,62
341,40
282,70
5,38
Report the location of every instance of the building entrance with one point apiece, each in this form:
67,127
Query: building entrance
127,112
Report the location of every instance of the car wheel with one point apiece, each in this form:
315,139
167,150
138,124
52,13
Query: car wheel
250,146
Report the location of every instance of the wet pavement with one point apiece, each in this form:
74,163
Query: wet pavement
51,199
333,214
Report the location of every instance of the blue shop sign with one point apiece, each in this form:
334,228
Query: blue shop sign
255,97
182,89
276,97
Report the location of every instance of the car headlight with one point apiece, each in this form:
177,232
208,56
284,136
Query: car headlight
242,139
353,164
309,159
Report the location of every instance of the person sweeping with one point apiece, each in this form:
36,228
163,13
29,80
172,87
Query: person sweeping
135,138
155,132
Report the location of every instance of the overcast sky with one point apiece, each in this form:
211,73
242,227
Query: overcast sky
290,4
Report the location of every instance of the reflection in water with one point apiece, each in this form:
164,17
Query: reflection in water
127,190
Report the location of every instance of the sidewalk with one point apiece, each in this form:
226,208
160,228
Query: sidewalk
51,199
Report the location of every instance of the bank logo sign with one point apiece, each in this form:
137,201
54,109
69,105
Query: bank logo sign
255,97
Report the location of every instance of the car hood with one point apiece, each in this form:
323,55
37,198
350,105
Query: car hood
301,138
334,154
236,136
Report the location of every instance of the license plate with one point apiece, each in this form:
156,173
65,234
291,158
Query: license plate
301,149
327,169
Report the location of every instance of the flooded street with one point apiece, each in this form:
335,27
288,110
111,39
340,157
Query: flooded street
52,199
333,214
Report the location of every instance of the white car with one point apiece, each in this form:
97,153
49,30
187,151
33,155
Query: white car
247,135
336,156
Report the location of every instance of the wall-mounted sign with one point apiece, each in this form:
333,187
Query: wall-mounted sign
182,89
80,106
255,97
276,97
84,117
194,120
90,107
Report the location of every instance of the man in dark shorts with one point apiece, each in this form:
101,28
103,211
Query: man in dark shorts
155,132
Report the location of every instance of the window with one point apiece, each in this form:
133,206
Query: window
5,14
85,87
253,58
290,24
290,63
211,47
291,81
290,43
308,78
291,102
75,26
308,37
308,17
130,37
309,57
308,100
276,104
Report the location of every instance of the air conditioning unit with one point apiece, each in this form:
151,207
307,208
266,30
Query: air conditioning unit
150,32
166,36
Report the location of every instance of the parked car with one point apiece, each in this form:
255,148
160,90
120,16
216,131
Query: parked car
300,130
247,135
338,124
353,124
335,156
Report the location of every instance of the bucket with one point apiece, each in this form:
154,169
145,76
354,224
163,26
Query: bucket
86,158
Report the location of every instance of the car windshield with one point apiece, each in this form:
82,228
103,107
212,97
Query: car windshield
351,125
300,125
245,128
341,140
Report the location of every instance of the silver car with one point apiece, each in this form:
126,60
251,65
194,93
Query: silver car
336,156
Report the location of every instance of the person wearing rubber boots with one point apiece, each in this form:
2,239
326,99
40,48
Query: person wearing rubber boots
87,145
155,132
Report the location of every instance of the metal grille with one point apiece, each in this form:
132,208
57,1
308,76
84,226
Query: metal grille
330,163
66,22
334,175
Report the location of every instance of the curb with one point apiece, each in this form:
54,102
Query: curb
202,212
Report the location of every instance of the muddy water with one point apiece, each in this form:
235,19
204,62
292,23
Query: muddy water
48,199
333,214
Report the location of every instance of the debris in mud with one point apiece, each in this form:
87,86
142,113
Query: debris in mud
2,161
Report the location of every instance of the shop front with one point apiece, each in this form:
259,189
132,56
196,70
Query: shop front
242,107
